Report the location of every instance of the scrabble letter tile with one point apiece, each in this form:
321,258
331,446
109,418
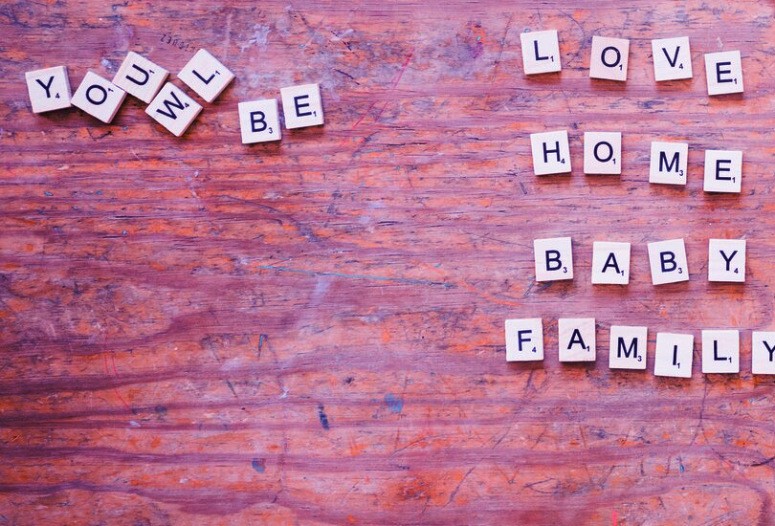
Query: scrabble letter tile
302,106
720,352
524,340
673,355
628,347
668,163
723,171
609,58
206,75
668,262
49,89
540,52
173,109
672,58
724,72
98,97
259,121
603,153
763,352
551,153
726,260
576,339
610,263
140,77
553,259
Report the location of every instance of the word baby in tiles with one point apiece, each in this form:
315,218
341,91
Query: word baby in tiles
169,105
611,261
628,347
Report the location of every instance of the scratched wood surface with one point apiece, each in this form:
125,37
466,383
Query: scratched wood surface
193,331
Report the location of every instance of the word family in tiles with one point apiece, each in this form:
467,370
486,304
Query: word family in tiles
628,347
168,104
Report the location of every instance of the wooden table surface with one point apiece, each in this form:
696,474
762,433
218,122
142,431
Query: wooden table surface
193,331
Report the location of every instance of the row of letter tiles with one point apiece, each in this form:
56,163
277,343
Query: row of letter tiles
609,60
170,106
628,347
668,161
49,89
611,261
260,120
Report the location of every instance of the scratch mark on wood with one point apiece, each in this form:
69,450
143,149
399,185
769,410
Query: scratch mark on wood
396,80
262,338
323,417
457,488
231,388
114,373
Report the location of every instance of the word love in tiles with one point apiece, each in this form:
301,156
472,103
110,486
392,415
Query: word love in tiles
628,347
668,164
611,261
168,104
609,60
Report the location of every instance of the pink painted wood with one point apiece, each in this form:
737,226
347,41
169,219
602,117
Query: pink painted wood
193,331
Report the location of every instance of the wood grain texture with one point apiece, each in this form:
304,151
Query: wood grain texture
193,331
